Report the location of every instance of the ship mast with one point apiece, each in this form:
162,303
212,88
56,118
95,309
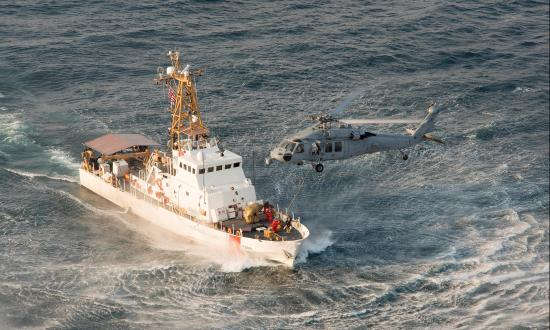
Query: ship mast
184,106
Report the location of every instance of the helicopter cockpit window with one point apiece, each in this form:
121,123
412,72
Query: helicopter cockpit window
283,144
328,147
299,148
290,147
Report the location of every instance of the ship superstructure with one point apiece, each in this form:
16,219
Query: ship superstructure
196,188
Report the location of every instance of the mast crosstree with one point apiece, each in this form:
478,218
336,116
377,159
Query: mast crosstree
187,122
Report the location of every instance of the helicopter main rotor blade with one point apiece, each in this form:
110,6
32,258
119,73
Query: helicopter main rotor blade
380,121
345,103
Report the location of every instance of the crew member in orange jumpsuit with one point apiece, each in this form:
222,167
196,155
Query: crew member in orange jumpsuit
275,225
268,212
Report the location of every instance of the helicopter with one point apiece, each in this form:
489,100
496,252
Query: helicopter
332,138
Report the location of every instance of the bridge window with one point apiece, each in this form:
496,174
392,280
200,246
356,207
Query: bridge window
236,164
219,168
227,166
201,170
210,169
328,147
337,146
181,165
193,171
185,166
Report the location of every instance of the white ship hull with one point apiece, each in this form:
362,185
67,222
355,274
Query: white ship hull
284,252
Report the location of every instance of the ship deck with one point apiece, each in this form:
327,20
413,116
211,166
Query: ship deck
255,230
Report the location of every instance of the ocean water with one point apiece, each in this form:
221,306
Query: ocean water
455,237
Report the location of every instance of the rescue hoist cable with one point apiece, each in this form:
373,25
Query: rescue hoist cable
301,185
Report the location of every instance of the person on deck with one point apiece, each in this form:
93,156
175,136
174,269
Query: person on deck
268,211
275,225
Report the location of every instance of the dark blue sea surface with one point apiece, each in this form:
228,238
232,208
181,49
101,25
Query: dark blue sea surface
455,237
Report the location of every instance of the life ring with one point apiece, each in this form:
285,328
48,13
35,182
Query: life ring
159,194
126,177
240,232
166,200
181,152
159,183
149,190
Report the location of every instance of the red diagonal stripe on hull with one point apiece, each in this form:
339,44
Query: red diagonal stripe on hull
234,244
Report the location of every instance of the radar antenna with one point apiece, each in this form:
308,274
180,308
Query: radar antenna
184,105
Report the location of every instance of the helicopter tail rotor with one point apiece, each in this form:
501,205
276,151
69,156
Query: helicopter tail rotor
428,124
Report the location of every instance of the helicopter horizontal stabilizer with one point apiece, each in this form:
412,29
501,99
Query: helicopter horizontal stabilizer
427,137
432,137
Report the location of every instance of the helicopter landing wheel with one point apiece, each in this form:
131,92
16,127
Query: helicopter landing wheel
404,156
319,168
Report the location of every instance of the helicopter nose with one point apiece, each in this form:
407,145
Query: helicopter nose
277,154
287,157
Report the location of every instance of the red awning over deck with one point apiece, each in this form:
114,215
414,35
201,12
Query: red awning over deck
111,143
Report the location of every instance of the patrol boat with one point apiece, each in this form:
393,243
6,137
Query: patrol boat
195,189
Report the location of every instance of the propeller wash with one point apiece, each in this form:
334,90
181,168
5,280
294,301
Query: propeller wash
195,189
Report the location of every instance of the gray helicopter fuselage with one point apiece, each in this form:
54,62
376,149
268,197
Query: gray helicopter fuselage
337,142
333,139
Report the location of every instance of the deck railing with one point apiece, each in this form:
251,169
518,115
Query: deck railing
124,186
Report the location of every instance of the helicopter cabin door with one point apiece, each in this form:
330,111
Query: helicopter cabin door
333,150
